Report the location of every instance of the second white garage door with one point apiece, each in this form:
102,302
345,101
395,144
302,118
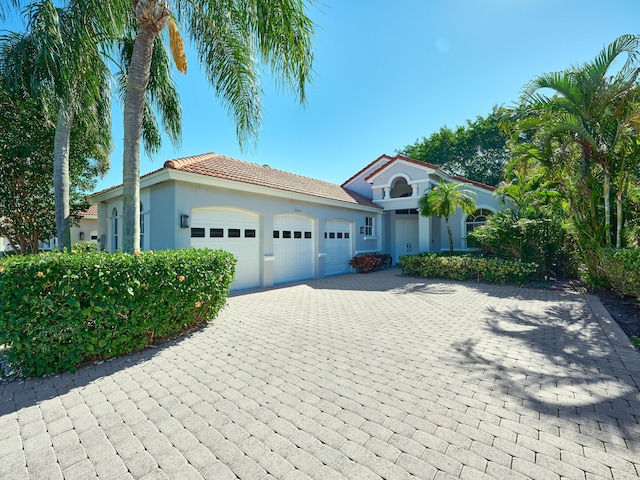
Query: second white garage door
293,247
235,231
337,245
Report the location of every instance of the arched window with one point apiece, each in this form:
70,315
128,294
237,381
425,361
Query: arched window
114,229
400,188
474,220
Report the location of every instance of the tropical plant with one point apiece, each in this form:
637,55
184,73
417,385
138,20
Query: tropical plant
59,61
231,40
589,108
161,95
444,200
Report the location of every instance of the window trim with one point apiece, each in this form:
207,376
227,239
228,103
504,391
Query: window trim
369,226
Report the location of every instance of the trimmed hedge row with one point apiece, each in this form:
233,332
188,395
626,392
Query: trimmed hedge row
60,310
622,269
467,267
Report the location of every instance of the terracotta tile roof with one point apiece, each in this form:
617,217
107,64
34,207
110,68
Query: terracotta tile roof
219,166
92,210
422,164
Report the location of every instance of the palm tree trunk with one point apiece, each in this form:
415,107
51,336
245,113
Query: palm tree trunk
607,205
61,177
152,15
446,222
619,219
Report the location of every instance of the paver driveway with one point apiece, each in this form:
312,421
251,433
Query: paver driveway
357,376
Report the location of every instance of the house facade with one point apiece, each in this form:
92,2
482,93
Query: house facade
284,227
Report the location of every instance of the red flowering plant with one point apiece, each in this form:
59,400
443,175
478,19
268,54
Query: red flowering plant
370,262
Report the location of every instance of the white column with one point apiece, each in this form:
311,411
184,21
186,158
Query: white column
424,232
387,192
414,189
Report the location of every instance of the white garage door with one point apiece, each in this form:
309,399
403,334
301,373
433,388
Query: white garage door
293,248
337,245
235,231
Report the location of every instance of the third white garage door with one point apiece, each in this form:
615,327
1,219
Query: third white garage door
337,245
293,247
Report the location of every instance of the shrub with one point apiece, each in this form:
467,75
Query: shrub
622,269
371,262
84,247
541,240
466,267
60,310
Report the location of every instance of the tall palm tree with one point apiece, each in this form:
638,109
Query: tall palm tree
161,94
59,58
444,200
585,106
232,39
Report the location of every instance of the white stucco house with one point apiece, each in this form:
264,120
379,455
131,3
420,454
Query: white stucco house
87,228
284,227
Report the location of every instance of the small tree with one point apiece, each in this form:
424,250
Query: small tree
27,213
444,200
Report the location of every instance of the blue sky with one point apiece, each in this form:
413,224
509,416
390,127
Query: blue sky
388,73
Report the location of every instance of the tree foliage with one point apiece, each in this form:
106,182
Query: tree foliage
233,40
444,200
582,121
477,151
27,214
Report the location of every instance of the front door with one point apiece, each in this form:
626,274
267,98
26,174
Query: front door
406,238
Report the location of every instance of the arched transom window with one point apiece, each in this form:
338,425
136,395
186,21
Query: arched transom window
474,220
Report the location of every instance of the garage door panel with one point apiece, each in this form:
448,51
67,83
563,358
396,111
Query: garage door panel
234,231
293,248
337,246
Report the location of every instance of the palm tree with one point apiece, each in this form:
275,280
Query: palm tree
231,39
444,200
161,95
585,107
59,58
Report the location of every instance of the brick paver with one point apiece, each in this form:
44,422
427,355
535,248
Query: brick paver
372,376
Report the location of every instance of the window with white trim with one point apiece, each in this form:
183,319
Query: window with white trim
141,227
114,229
475,220
368,226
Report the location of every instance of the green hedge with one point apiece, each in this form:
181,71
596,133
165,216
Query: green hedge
60,310
622,269
467,267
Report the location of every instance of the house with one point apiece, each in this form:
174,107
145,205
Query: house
284,227
87,228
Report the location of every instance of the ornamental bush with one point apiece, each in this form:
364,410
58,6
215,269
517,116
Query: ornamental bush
622,269
541,240
467,267
60,310
371,262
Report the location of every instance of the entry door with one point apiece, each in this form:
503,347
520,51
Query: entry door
406,238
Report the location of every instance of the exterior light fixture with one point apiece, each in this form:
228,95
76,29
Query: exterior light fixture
184,221
81,236
361,230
